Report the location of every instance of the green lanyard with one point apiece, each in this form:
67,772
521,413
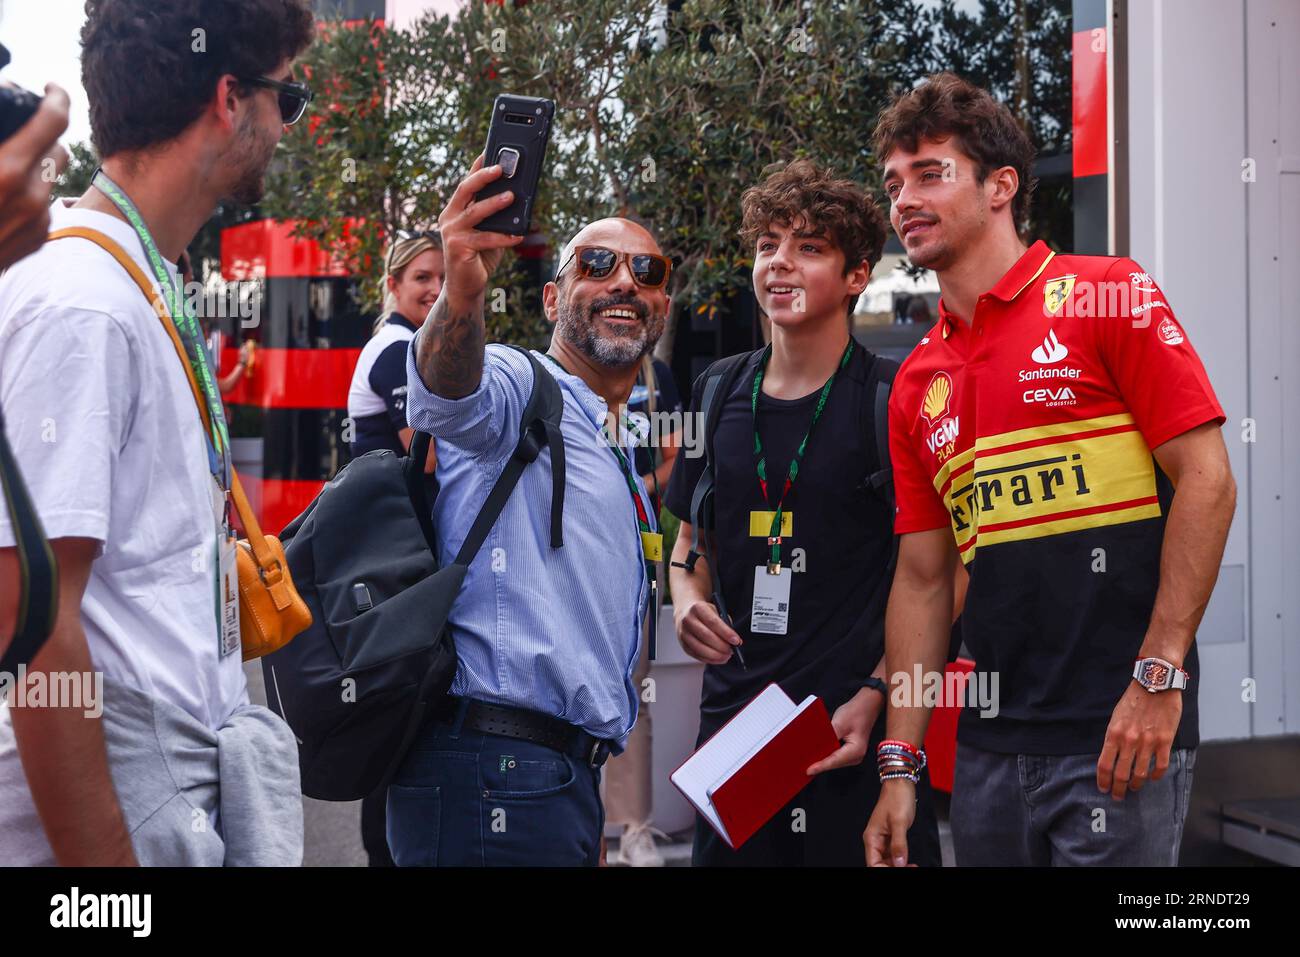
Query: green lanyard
774,537
642,516
186,325
644,527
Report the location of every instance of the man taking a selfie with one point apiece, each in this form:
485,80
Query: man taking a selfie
508,770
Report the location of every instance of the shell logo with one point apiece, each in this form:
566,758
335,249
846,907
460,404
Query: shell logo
938,398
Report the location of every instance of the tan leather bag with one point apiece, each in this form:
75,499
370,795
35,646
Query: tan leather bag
271,612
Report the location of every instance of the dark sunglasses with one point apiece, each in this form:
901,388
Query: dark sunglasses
293,97
596,262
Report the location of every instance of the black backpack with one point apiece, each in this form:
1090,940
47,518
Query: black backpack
357,684
38,588
719,379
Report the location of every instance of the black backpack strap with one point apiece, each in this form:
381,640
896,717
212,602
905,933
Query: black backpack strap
417,486
38,592
879,383
541,422
539,426
718,381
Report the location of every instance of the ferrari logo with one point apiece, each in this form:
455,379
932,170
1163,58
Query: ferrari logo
1055,292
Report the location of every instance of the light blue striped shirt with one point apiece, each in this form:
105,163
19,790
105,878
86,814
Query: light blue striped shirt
553,630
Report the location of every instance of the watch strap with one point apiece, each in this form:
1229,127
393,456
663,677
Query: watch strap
1178,678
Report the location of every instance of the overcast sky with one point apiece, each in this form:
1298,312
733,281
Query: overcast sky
43,39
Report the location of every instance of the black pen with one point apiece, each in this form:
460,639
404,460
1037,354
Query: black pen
722,611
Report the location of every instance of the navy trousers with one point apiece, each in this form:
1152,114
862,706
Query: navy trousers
466,799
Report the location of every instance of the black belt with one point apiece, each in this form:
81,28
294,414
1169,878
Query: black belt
524,725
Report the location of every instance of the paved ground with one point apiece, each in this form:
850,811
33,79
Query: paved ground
332,835
678,852
333,830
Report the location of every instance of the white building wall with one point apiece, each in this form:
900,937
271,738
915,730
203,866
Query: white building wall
1209,84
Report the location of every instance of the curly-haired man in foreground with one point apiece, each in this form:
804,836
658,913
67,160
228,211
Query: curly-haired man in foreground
187,102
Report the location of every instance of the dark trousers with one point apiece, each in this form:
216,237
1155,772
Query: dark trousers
464,798
1036,810
822,826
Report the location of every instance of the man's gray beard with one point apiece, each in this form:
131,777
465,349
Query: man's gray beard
619,352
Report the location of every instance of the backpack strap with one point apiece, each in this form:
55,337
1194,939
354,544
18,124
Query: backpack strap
416,487
38,593
718,381
540,423
539,427
880,381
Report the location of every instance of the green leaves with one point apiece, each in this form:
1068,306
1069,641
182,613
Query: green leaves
668,117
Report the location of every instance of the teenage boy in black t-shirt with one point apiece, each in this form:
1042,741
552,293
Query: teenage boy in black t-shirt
815,240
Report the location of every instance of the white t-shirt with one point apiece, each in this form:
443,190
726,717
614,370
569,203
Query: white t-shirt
103,424
363,400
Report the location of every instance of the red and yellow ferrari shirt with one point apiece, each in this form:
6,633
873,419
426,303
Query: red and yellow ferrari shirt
1029,433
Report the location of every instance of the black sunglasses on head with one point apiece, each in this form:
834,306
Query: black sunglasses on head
293,97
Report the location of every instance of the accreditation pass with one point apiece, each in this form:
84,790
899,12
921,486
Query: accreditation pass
770,613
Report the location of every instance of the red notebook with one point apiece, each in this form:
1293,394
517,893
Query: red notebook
756,763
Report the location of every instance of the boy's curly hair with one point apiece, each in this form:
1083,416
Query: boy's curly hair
804,192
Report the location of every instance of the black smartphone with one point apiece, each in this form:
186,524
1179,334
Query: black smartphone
16,105
16,108
517,138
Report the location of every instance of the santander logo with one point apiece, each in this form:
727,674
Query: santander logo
1052,350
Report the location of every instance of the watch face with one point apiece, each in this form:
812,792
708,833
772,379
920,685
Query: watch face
1156,674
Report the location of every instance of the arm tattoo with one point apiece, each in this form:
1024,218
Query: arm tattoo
449,350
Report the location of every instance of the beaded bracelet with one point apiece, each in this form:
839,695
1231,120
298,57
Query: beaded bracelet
902,749
899,760
904,775
895,744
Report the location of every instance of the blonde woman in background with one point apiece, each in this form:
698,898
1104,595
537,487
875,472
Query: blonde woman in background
413,276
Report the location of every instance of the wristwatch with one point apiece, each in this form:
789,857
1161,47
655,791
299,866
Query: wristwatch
1156,674
876,683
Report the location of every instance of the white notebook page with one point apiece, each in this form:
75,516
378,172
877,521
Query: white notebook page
761,744
727,749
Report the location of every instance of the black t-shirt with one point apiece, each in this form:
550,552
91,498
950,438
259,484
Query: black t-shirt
841,538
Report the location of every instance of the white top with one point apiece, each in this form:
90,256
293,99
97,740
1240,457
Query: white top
362,398
103,424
